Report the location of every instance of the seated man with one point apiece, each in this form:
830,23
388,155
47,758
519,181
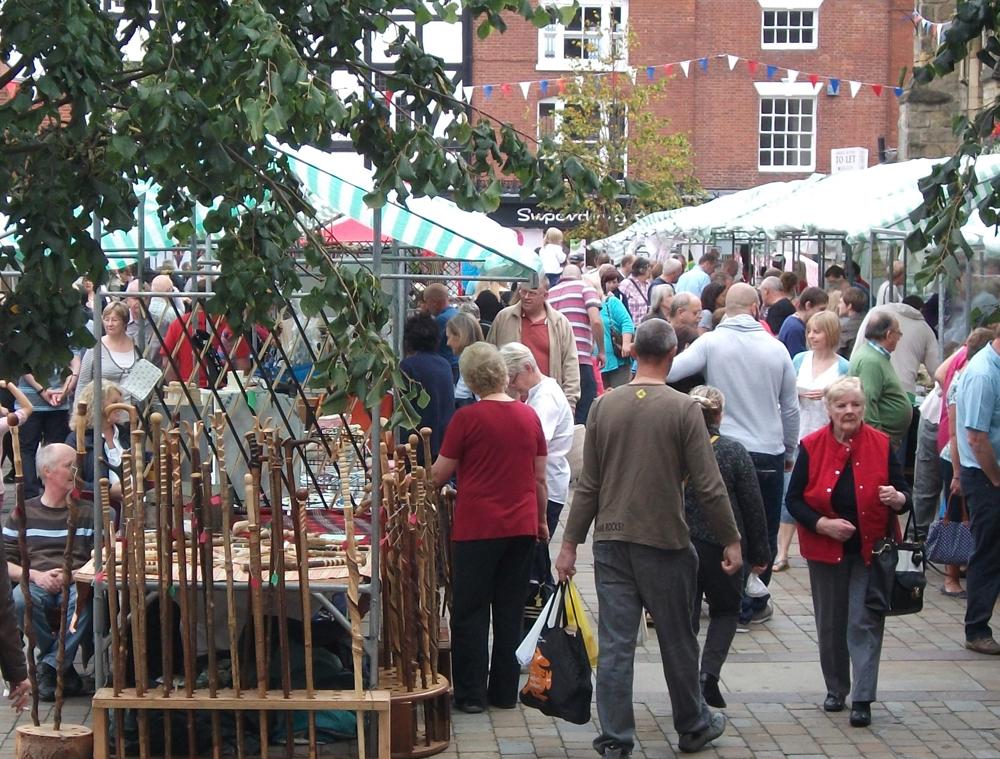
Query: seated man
46,537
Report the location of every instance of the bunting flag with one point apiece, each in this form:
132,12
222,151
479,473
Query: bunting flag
547,86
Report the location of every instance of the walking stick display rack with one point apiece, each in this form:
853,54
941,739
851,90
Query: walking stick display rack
181,559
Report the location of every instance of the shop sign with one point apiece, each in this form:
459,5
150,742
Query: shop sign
848,159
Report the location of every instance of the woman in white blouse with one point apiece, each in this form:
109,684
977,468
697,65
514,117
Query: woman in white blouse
815,370
114,432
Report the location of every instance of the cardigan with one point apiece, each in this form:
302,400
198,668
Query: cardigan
887,406
824,462
564,364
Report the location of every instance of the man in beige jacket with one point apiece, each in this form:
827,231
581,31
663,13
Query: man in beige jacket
546,333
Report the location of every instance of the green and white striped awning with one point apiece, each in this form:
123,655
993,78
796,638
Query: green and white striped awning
433,224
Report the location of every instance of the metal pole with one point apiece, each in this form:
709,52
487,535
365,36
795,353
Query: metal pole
140,266
100,588
374,614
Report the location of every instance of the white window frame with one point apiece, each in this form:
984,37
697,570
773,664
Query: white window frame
787,91
551,40
810,6
603,132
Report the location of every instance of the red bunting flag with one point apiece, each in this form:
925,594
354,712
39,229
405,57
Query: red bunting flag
561,85
813,79
389,94
668,69
505,88
752,65
877,89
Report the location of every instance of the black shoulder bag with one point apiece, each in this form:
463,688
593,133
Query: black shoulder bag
896,579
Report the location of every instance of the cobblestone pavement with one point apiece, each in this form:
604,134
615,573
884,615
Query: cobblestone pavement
936,698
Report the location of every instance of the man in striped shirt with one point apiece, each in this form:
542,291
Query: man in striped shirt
46,537
580,303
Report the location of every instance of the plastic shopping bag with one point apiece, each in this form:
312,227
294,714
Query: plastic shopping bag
526,651
581,622
559,677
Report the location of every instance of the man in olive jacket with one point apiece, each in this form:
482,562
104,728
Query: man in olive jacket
546,333
642,550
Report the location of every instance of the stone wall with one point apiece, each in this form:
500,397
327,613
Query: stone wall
925,120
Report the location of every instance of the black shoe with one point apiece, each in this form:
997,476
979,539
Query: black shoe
46,679
469,707
9,477
833,703
689,743
710,690
861,714
73,684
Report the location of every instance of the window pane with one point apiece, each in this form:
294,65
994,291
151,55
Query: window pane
780,106
572,48
807,124
793,124
806,141
793,106
765,140
765,123
779,124
792,141
781,18
779,159
807,36
794,36
768,18
807,106
577,23
795,18
782,36
807,18
765,159
616,17
768,37
592,18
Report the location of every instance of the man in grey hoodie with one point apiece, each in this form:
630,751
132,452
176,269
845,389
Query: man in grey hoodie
917,345
755,374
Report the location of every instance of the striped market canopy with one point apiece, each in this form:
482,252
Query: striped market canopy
433,224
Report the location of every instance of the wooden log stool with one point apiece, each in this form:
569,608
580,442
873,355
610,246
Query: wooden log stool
420,719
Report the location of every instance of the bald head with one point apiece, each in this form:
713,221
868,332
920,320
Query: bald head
132,286
741,298
54,464
571,271
435,298
162,284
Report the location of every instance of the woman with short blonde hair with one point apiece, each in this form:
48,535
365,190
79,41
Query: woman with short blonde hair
497,449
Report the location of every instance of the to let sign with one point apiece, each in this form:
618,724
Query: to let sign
848,159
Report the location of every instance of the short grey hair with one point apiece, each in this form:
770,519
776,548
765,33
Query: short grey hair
843,386
44,459
879,324
654,339
682,301
516,356
672,266
773,284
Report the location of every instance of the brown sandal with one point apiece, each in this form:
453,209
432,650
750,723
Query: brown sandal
780,566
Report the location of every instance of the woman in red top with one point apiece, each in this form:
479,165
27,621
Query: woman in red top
845,492
497,448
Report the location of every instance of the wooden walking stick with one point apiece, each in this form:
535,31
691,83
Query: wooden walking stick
160,499
252,492
353,583
203,543
277,566
111,569
218,423
302,554
21,514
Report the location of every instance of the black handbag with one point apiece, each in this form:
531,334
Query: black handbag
896,578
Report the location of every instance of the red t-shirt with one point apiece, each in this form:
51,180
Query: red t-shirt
535,337
495,444
177,343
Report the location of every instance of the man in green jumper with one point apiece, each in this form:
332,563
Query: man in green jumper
887,406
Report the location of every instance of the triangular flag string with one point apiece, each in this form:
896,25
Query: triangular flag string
548,87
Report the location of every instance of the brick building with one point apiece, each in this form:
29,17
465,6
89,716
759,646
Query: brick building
745,129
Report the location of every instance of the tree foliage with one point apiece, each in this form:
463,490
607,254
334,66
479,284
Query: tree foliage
608,123
215,79
953,192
